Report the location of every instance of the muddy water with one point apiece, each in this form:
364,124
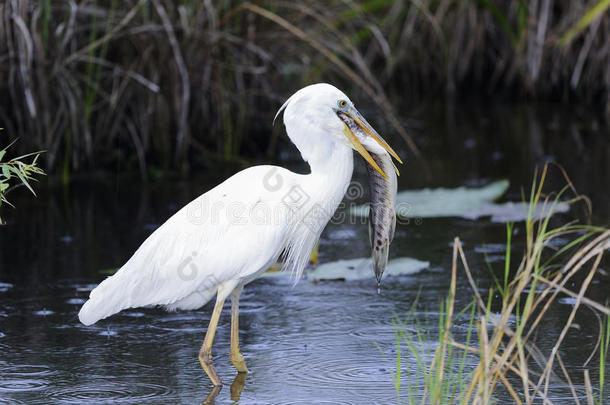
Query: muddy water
326,342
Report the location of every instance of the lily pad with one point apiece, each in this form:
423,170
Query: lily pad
442,202
360,269
464,202
5,286
514,211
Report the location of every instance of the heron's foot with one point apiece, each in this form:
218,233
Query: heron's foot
238,361
205,359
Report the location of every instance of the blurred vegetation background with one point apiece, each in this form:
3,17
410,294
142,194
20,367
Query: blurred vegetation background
155,85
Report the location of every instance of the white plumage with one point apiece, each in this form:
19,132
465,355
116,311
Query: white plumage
231,234
226,236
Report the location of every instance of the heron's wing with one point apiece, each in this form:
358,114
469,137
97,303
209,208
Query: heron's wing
228,233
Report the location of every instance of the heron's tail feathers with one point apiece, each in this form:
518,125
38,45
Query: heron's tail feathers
108,298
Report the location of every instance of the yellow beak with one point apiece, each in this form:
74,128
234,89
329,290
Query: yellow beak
363,152
353,120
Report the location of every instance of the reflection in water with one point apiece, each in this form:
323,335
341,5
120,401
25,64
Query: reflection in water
238,386
330,341
211,398
236,389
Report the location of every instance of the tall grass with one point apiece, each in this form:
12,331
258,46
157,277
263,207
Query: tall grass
174,83
508,357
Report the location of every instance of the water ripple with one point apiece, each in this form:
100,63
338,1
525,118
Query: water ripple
10,401
108,390
18,378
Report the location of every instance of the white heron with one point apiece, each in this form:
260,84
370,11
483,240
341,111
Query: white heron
230,235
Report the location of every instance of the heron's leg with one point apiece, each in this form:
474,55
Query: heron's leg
236,357
205,353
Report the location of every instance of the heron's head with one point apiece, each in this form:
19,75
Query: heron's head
320,116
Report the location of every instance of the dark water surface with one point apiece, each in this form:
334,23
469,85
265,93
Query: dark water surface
326,342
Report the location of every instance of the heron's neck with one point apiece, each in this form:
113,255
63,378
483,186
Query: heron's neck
330,176
321,192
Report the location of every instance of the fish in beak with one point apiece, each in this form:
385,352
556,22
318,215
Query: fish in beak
364,139
382,183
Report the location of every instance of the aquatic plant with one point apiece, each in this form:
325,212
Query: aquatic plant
136,83
17,168
507,357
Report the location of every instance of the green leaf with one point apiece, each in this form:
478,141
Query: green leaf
3,199
28,155
9,145
24,171
24,180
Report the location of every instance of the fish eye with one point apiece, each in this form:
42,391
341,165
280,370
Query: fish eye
342,103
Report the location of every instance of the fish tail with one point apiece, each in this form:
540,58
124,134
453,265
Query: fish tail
380,259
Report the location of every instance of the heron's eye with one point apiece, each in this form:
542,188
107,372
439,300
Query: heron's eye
342,103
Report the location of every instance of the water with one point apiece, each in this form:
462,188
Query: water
325,342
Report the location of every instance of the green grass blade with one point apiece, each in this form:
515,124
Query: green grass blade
594,12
